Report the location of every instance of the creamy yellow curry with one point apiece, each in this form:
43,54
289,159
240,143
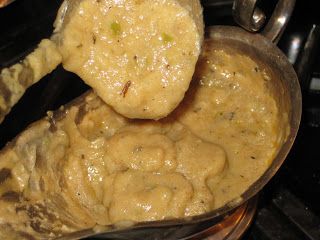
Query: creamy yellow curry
231,104
87,165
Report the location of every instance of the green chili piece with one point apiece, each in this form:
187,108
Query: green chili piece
166,38
116,28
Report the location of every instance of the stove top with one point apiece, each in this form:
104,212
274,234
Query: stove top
289,206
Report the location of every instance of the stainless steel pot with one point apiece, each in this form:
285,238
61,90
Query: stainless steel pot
285,88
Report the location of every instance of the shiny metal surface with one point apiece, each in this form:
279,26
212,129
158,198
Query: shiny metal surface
251,18
4,3
307,57
216,2
247,15
232,227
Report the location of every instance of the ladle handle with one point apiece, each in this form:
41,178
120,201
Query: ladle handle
251,18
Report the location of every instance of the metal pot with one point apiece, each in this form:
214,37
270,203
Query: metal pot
285,89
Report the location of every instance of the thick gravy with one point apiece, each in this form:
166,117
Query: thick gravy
92,166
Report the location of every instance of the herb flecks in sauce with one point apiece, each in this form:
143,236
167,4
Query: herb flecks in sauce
94,38
125,88
115,28
166,38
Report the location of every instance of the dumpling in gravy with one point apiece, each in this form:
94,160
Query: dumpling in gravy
138,55
90,166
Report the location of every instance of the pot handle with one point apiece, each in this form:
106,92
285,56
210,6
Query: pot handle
251,18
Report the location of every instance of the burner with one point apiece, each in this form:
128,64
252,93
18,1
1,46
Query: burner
231,227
